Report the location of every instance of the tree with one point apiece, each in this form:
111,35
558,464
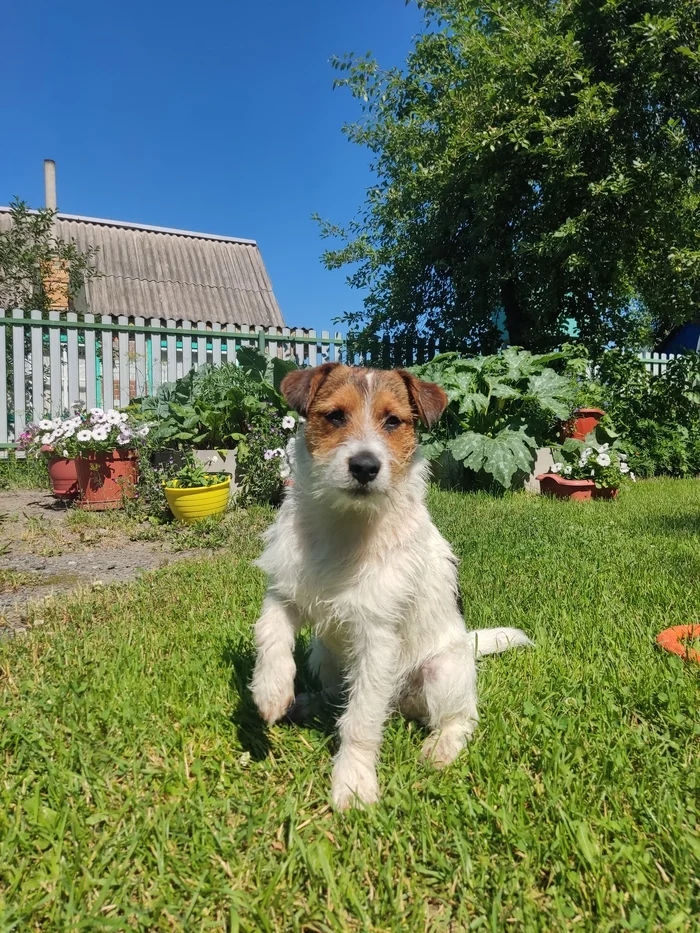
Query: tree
35,263
536,163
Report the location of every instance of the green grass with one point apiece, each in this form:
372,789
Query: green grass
138,790
25,473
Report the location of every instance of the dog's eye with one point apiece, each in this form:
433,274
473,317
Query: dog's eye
391,423
336,418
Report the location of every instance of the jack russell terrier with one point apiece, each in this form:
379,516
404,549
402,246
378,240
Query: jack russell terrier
355,554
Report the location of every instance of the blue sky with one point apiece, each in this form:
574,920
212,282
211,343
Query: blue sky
217,116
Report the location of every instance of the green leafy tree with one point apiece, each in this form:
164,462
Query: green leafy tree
536,164
29,250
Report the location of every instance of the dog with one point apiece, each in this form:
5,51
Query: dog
354,553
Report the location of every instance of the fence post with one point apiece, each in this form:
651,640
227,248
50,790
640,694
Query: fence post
18,373
171,360
261,340
124,367
186,347
140,361
201,344
156,365
90,364
37,369
216,344
107,365
4,406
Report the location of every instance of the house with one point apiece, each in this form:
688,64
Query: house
685,337
155,272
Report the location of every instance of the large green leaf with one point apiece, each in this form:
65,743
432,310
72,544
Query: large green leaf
502,456
552,391
469,447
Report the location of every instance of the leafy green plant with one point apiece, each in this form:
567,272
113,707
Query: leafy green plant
501,408
192,475
657,415
605,463
214,406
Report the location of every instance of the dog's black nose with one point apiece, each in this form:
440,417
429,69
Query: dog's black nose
364,467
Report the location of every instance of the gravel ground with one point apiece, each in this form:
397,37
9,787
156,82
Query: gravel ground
47,549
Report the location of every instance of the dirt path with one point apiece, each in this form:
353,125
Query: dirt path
47,549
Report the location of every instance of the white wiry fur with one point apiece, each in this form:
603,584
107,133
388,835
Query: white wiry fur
377,582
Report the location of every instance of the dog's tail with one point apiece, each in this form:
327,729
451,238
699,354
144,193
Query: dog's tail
495,640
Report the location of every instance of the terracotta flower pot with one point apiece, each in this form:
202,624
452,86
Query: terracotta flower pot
584,421
551,484
106,479
64,477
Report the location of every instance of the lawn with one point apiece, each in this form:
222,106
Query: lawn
139,791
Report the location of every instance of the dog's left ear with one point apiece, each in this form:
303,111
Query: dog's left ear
427,398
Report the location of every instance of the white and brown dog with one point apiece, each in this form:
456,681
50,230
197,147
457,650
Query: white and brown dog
355,554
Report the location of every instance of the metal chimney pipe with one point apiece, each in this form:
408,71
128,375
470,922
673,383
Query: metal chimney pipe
50,184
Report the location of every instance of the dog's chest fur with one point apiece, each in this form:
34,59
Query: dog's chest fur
346,575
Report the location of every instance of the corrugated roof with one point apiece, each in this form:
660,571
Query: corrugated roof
155,272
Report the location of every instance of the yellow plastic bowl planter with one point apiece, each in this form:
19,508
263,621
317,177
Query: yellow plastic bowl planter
197,502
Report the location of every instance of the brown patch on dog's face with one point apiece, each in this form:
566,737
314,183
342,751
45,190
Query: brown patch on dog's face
348,406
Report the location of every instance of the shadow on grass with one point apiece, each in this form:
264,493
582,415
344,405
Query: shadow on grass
251,730
686,525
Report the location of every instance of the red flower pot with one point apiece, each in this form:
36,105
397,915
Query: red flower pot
107,479
551,484
64,477
584,421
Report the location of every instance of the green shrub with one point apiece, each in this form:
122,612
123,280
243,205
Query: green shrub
501,408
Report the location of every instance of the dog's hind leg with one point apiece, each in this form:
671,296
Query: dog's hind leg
324,666
449,694
273,678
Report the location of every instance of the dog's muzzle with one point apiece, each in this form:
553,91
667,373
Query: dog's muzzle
364,467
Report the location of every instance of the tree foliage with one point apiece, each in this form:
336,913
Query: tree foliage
28,250
535,160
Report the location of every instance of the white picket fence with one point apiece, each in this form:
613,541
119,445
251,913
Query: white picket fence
59,361
656,362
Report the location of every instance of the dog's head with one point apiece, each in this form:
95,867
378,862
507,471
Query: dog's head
360,430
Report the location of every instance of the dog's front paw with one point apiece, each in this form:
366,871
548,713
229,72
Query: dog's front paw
354,785
273,695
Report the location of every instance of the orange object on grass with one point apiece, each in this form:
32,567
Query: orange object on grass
672,639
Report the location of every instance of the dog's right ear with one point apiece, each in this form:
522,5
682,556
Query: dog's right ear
301,385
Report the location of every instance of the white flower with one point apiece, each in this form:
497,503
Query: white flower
604,447
555,468
624,467
123,416
100,434
84,435
113,417
96,412
603,460
123,440
269,454
288,423
586,453
46,439
567,469
65,453
45,425
142,432
582,462
633,477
